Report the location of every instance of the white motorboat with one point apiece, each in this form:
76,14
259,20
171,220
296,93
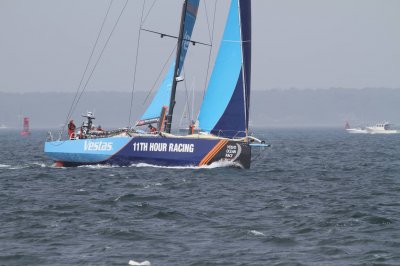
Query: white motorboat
381,128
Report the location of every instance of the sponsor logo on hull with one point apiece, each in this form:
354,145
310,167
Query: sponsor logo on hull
97,145
163,147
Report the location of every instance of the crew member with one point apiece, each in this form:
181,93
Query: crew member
152,129
191,128
99,128
71,129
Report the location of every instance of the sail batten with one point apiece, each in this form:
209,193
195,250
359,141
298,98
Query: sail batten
226,104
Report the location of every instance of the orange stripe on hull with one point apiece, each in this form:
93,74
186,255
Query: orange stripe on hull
213,152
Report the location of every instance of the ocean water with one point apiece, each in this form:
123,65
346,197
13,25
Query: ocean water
316,197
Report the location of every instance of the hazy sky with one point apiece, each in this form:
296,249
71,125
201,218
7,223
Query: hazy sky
45,44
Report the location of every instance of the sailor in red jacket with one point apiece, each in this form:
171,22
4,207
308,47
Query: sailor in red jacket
71,129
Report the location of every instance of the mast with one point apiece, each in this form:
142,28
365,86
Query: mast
174,80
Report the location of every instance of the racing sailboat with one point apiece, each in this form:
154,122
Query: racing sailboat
223,119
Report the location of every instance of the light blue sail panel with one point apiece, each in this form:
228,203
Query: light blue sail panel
225,79
163,94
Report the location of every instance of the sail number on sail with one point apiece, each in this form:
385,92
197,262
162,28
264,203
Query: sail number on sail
163,147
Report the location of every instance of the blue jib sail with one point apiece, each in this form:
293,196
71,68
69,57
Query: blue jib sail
163,94
225,108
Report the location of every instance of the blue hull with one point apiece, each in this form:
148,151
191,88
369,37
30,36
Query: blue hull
152,150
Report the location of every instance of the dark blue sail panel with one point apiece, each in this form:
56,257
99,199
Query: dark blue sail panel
231,123
190,20
225,105
245,19
163,94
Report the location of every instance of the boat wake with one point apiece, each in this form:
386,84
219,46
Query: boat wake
219,164
100,166
23,166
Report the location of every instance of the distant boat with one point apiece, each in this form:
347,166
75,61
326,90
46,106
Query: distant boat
25,130
382,128
2,126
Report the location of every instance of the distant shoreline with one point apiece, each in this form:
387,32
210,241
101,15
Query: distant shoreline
288,108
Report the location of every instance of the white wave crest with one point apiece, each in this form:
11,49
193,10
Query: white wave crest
256,233
39,164
152,185
27,165
143,263
18,167
221,164
99,166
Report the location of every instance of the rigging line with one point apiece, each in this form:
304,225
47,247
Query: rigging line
159,75
209,54
136,61
87,64
148,13
193,89
208,22
187,96
101,53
